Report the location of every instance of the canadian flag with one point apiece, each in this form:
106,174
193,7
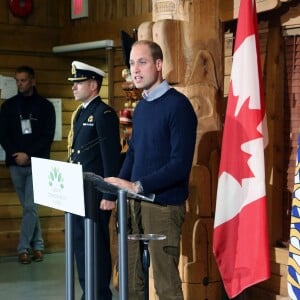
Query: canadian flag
240,239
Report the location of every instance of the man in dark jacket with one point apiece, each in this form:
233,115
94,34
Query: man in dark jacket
94,142
27,129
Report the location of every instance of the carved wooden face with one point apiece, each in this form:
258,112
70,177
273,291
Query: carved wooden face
168,9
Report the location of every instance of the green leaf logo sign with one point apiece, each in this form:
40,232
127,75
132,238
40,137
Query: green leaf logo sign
56,179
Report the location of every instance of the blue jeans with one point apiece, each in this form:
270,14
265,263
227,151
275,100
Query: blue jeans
30,231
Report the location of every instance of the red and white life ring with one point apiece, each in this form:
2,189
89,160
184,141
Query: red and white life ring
20,8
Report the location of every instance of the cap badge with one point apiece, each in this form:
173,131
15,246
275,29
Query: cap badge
73,70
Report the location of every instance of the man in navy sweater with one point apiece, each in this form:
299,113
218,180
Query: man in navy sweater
158,160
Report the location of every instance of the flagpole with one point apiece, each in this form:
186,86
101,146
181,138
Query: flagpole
241,296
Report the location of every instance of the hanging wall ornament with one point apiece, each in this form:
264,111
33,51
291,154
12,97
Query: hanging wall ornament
20,8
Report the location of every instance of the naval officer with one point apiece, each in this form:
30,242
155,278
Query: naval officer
94,142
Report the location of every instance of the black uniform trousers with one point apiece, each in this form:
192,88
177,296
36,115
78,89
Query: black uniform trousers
104,264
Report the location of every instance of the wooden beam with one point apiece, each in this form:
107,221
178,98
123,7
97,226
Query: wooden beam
229,8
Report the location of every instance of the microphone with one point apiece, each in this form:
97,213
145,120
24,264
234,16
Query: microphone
109,188
86,147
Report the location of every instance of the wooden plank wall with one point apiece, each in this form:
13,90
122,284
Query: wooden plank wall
30,42
106,19
51,74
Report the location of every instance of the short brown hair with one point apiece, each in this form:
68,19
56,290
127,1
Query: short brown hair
26,69
155,49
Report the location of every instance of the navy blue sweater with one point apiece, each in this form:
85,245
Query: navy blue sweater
161,149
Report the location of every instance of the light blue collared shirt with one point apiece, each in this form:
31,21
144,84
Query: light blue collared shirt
157,92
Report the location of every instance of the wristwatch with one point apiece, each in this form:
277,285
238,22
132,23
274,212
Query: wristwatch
138,187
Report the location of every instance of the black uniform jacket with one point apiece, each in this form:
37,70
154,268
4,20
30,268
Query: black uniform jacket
96,140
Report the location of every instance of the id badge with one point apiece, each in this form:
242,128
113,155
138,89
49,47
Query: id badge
26,126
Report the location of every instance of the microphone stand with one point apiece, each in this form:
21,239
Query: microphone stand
123,247
122,194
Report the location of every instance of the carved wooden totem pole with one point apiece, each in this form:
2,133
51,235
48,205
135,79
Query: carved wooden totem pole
189,33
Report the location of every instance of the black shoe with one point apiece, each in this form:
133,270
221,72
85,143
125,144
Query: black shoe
24,258
37,255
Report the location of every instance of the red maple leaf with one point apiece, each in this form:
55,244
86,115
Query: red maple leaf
237,131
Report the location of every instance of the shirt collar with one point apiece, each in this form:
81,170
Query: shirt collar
156,92
85,104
